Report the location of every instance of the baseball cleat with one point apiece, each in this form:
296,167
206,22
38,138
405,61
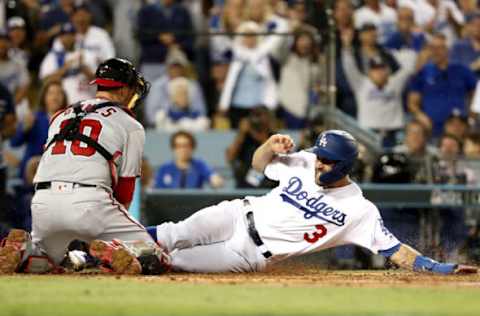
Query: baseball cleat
116,256
13,249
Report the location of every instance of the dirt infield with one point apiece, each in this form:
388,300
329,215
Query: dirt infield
311,276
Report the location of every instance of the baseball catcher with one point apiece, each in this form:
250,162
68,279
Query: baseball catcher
86,178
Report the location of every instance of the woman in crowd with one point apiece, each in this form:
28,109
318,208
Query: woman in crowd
298,79
33,130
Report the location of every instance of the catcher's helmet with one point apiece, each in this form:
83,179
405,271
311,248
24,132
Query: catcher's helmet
117,73
338,146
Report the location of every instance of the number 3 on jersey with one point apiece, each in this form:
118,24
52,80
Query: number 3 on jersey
95,128
319,233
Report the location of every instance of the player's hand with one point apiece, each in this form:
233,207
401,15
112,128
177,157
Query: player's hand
281,144
347,38
167,39
465,269
28,121
244,126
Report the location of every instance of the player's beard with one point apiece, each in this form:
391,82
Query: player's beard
318,174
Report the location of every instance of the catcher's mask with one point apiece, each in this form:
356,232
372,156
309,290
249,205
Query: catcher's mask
117,73
339,147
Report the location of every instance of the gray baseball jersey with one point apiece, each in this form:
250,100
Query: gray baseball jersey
110,126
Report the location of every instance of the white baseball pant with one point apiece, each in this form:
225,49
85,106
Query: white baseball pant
214,239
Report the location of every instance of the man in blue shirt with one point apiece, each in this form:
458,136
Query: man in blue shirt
405,37
161,26
467,51
440,87
185,172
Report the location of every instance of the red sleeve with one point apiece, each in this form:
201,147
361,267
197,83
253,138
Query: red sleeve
124,190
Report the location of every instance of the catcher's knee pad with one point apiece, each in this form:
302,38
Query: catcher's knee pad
38,265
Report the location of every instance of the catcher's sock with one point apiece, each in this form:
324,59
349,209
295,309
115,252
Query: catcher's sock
152,230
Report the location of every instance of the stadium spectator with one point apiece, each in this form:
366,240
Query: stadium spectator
125,14
32,131
162,25
13,74
157,100
457,125
467,51
379,93
250,79
299,80
377,13
7,129
218,75
369,49
225,19
20,48
468,6
406,36
74,68
180,115
51,21
445,18
90,37
471,148
448,170
185,172
260,12
439,87
421,154
343,15
252,132
297,19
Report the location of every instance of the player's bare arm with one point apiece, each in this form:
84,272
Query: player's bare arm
408,258
276,144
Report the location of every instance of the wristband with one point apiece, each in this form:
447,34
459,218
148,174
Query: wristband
423,263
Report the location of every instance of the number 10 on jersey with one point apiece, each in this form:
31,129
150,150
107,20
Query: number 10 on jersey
95,128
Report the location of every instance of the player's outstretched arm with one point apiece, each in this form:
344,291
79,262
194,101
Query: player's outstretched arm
276,144
409,258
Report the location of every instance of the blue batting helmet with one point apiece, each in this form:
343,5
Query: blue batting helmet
338,146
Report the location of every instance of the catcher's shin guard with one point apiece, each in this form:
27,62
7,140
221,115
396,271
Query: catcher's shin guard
152,257
116,256
131,257
15,248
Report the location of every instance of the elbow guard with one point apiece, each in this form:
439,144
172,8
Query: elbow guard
423,263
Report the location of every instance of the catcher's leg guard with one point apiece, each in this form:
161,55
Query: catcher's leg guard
16,247
116,256
131,257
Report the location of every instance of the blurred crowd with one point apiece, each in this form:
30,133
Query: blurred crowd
405,69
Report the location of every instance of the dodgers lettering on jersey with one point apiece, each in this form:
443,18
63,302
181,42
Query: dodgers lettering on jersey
299,217
113,128
314,206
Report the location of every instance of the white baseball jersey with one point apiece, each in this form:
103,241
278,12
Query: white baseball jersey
295,218
116,130
75,83
299,217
